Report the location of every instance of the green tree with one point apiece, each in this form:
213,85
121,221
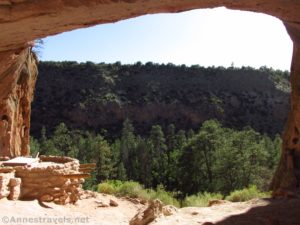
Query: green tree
180,139
127,149
116,158
102,158
83,142
173,153
190,134
145,158
241,161
158,155
197,158
63,141
47,146
121,172
170,137
172,177
34,146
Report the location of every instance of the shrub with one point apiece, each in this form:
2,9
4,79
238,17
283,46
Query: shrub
200,199
135,190
146,194
115,183
166,197
246,194
106,188
131,189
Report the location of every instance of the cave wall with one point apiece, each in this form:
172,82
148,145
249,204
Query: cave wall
17,86
287,175
22,21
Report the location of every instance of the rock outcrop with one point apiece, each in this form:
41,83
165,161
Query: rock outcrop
17,84
155,209
22,21
287,175
146,216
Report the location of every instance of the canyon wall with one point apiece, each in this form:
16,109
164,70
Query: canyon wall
22,21
157,94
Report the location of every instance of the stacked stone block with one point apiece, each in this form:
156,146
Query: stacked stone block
53,178
9,185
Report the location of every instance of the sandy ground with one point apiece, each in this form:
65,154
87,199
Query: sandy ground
87,211
253,212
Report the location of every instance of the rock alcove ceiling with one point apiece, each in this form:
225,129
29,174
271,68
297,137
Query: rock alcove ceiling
22,21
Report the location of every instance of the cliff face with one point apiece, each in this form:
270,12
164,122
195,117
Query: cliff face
22,21
102,96
15,106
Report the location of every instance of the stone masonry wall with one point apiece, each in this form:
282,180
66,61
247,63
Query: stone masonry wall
54,178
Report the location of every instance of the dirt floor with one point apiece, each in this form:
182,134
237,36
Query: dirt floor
254,212
91,211
86,211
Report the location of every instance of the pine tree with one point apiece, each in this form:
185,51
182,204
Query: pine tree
47,146
121,172
170,137
158,155
145,158
103,158
180,139
63,141
157,139
34,146
127,148
116,159
197,158
190,134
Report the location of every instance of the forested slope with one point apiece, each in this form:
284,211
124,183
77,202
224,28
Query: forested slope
100,96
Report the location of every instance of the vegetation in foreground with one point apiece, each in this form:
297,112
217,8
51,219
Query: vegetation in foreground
135,190
246,194
214,159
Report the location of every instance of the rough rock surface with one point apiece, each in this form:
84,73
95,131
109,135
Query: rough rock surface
9,185
22,21
15,188
146,216
4,184
17,85
26,20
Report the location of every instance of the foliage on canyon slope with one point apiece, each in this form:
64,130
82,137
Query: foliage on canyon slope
213,159
96,96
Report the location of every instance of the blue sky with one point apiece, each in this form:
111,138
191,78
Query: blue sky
206,37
